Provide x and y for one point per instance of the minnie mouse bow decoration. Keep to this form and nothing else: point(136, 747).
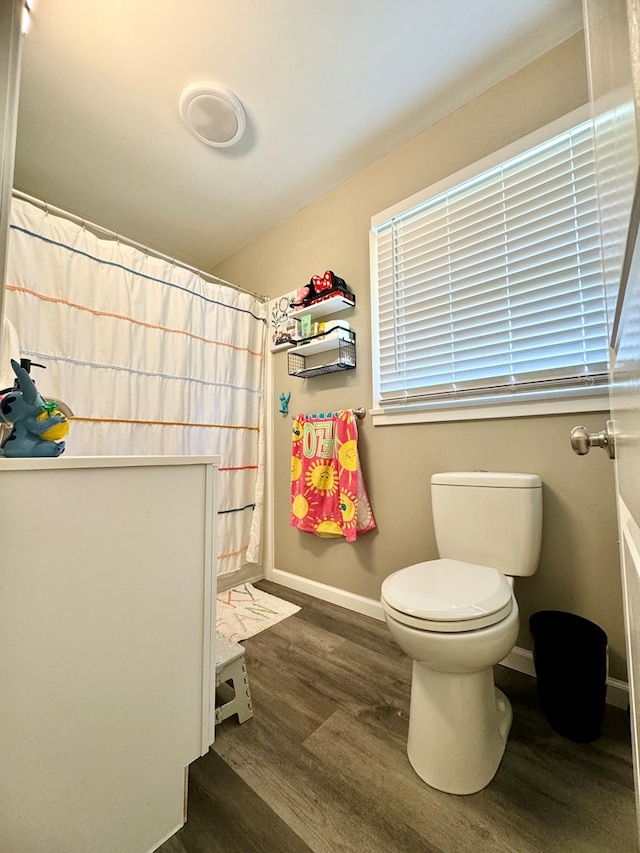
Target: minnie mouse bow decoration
point(320, 287)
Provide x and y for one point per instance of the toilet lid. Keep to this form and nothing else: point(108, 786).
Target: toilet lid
point(448, 591)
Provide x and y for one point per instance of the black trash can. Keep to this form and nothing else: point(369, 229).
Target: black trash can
point(570, 656)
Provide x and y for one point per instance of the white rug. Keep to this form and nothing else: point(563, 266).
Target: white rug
point(244, 611)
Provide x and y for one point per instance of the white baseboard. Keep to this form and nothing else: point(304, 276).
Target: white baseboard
point(247, 574)
point(618, 693)
point(519, 659)
point(522, 661)
point(167, 837)
point(332, 594)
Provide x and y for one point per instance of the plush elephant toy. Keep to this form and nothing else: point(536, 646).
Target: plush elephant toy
point(32, 420)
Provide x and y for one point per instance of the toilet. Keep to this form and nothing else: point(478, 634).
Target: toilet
point(457, 617)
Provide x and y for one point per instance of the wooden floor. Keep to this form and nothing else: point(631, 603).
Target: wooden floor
point(322, 765)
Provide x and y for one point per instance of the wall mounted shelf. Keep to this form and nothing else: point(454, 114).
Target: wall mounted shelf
point(303, 359)
point(325, 307)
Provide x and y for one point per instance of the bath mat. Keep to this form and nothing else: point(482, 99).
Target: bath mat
point(244, 611)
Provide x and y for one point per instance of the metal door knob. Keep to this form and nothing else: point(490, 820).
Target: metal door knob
point(582, 441)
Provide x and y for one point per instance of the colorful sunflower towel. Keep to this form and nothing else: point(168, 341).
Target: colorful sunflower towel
point(328, 495)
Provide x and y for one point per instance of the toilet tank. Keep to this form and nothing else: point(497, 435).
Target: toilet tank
point(490, 518)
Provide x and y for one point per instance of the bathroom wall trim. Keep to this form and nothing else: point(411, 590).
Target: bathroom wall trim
point(522, 661)
point(332, 594)
point(249, 573)
point(519, 659)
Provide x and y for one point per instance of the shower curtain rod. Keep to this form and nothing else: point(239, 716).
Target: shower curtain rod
point(107, 232)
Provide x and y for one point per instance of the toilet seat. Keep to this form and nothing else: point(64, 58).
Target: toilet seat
point(447, 596)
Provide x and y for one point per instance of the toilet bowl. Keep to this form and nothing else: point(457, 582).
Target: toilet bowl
point(457, 618)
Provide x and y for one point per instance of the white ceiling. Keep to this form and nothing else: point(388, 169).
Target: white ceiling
point(329, 87)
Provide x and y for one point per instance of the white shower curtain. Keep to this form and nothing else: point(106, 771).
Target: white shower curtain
point(152, 359)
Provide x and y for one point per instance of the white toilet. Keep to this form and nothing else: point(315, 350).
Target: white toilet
point(457, 617)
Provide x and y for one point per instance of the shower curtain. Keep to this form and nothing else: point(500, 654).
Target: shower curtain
point(152, 358)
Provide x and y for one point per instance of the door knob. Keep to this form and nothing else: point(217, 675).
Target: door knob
point(582, 441)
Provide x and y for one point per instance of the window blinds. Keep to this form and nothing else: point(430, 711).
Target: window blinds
point(495, 286)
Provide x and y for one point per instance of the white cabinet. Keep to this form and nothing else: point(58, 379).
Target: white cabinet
point(107, 623)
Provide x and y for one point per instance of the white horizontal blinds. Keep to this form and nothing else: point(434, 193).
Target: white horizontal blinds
point(496, 284)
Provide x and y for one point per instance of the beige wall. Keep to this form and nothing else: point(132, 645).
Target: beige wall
point(579, 564)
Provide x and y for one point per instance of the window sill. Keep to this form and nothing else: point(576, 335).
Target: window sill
point(474, 410)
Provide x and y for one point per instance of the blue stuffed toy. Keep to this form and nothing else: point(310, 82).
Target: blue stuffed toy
point(35, 423)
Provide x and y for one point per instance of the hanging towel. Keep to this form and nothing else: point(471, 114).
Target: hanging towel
point(328, 494)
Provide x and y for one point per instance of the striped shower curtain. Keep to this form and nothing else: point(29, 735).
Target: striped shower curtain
point(152, 359)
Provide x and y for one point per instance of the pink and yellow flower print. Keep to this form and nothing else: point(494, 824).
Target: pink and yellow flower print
point(328, 495)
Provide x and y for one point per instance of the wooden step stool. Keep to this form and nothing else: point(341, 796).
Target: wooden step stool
point(232, 681)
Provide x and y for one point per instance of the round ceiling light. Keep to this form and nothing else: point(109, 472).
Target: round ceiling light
point(212, 114)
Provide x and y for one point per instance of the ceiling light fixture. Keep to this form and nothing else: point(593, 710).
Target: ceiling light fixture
point(212, 114)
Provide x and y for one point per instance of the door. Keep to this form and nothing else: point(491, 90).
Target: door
point(611, 30)
point(625, 409)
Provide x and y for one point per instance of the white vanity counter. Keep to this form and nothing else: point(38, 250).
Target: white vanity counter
point(107, 623)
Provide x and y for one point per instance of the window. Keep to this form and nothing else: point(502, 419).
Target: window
point(488, 288)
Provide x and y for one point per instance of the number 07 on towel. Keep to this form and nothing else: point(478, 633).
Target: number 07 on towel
point(328, 494)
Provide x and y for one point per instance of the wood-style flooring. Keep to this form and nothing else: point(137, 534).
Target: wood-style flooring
point(322, 765)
